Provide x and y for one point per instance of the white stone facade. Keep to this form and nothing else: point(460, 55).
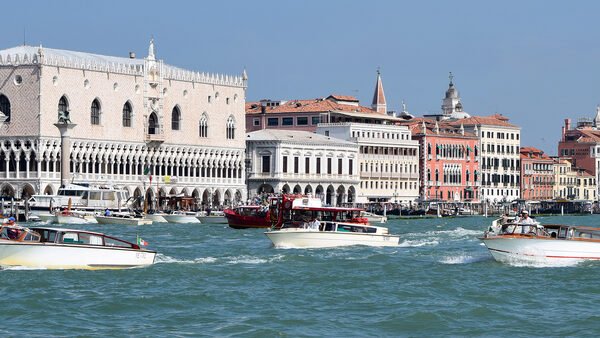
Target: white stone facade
point(388, 160)
point(304, 163)
point(186, 127)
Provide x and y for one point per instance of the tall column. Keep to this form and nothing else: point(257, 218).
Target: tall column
point(65, 150)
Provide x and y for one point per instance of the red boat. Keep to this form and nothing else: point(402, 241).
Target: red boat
point(248, 216)
point(295, 210)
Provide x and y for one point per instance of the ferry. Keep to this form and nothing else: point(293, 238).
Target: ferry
point(510, 242)
point(82, 197)
point(335, 227)
point(58, 248)
point(248, 216)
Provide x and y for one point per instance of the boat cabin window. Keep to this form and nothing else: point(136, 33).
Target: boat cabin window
point(115, 242)
point(70, 192)
point(81, 238)
point(48, 235)
point(69, 238)
point(108, 196)
point(95, 195)
point(32, 237)
point(355, 228)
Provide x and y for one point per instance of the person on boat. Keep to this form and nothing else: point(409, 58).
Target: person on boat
point(314, 224)
point(106, 212)
point(525, 222)
point(11, 221)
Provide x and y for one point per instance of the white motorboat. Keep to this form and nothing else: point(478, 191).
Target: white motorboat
point(510, 242)
point(48, 218)
point(122, 218)
point(332, 234)
point(180, 217)
point(56, 248)
point(156, 218)
point(74, 217)
point(373, 218)
point(328, 226)
point(212, 217)
point(83, 197)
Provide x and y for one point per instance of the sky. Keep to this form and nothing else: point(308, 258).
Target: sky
point(536, 62)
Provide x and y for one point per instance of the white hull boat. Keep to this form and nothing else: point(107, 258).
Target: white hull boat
point(49, 218)
point(542, 243)
point(55, 248)
point(215, 217)
point(373, 218)
point(180, 218)
point(122, 220)
point(156, 218)
point(75, 218)
point(332, 235)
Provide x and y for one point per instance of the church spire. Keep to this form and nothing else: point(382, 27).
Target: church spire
point(597, 118)
point(379, 103)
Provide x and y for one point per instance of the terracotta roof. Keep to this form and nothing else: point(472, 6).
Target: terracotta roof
point(342, 98)
point(310, 106)
point(537, 153)
point(493, 120)
point(585, 135)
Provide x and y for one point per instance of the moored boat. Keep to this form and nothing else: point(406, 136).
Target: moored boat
point(248, 216)
point(56, 248)
point(511, 242)
point(123, 219)
point(74, 217)
point(328, 226)
point(212, 217)
point(374, 218)
point(180, 217)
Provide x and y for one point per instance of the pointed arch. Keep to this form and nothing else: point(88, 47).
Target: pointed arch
point(127, 113)
point(4, 108)
point(175, 118)
point(203, 125)
point(153, 123)
point(230, 127)
point(95, 112)
point(63, 105)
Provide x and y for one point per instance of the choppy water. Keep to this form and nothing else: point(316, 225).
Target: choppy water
point(211, 280)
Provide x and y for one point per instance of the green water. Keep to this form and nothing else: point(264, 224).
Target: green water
point(211, 280)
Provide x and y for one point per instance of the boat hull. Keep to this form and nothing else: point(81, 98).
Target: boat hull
point(50, 218)
point(301, 238)
point(69, 219)
point(237, 221)
point(122, 220)
point(65, 256)
point(212, 219)
point(534, 249)
point(156, 218)
point(180, 219)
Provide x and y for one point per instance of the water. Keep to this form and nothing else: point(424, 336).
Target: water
point(211, 280)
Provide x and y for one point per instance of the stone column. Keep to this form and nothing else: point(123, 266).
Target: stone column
point(65, 151)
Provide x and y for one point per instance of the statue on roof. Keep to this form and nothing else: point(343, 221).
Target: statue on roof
point(151, 50)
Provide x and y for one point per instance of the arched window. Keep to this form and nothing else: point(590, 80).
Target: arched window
point(230, 128)
point(468, 175)
point(4, 109)
point(437, 175)
point(428, 174)
point(63, 105)
point(428, 148)
point(153, 124)
point(203, 126)
point(95, 112)
point(175, 118)
point(127, 114)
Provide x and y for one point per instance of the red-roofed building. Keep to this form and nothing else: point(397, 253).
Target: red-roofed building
point(537, 175)
point(449, 162)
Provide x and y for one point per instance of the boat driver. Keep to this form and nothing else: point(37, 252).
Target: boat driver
point(314, 224)
point(525, 222)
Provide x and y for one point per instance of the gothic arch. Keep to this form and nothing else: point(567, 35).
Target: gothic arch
point(7, 190)
point(27, 191)
point(297, 189)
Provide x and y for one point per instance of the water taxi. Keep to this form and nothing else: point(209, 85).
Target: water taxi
point(510, 242)
point(295, 226)
point(211, 217)
point(248, 216)
point(122, 218)
point(82, 197)
point(180, 217)
point(57, 248)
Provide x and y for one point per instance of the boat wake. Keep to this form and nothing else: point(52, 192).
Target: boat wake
point(464, 259)
point(418, 243)
point(20, 268)
point(245, 259)
point(541, 262)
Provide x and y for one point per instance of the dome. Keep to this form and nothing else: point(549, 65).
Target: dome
point(451, 93)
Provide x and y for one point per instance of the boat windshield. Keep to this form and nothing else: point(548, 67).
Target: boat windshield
point(80, 238)
point(9, 232)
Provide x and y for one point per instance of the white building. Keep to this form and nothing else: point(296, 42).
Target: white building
point(303, 163)
point(388, 160)
point(500, 143)
point(131, 114)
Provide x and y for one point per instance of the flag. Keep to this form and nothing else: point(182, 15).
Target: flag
point(141, 242)
point(146, 170)
point(167, 179)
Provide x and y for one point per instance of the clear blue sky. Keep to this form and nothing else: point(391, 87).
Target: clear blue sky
point(536, 62)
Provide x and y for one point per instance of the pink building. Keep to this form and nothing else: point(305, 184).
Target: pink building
point(449, 163)
point(537, 175)
point(579, 143)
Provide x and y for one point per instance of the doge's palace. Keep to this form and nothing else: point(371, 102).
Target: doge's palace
point(141, 124)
